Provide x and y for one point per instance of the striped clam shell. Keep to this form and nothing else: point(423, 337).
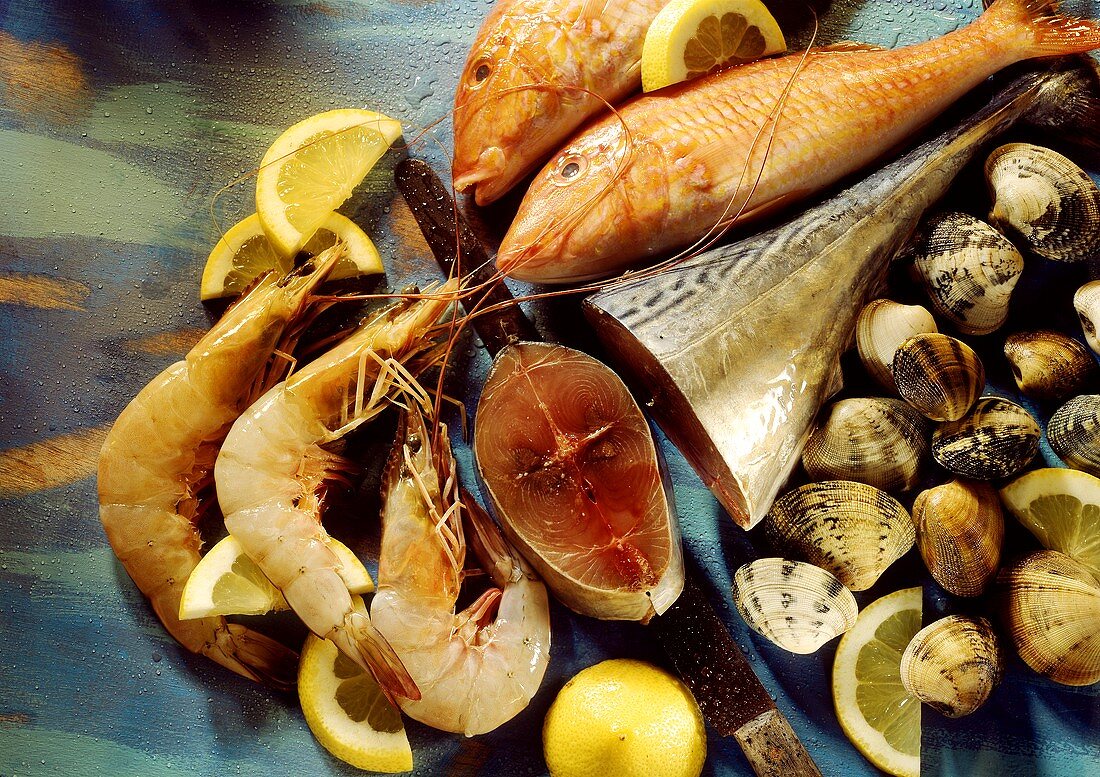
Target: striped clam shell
point(938, 375)
point(996, 439)
point(969, 270)
point(953, 665)
point(1044, 200)
point(1074, 433)
point(881, 442)
point(881, 327)
point(853, 530)
point(1051, 609)
point(1086, 301)
point(1049, 365)
point(797, 606)
point(960, 531)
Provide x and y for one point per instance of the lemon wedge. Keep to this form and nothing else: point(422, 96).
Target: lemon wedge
point(689, 38)
point(347, 711)
point(227, 582)
point(244, 252)
point(1061, 507)
point(625, 718)
point(313, 167)
point(876, 712)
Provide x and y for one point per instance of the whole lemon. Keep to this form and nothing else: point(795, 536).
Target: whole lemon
point(624, 718)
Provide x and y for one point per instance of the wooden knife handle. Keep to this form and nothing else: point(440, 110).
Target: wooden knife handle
point(772, 748)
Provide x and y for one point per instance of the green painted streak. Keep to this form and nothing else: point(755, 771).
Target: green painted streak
point(56, 189)
point(168, 115)
point(34, 750)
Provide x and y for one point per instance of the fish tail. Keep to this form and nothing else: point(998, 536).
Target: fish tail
point(1039, 30)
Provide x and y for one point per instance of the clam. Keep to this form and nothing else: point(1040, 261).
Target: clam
point(953, 665)
point(797, 606)
point(969, 270)
point(1086, 301)
point(1049, 365)
point(960, 529)
point(1051, 609)
point(1044, 200)
point(881, 442)
point(851, 529)
point(996, 439)
point(1074, 433)
point(882, 326)
point(938, 375)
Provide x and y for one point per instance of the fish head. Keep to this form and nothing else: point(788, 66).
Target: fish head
point(597, 195)
point(508, 110)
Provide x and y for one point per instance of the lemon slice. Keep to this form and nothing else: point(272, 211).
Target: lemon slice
point(625, 718)
point(313, 167)
point(227, 582)
point(347, 712)
point(876, 712)
point(689, 38)
point(1061, 507)
point(244, 252)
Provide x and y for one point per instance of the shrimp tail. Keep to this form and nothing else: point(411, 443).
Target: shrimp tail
point(363, 643)
point(1039, 31)
point(499, 559)
point(253, 655)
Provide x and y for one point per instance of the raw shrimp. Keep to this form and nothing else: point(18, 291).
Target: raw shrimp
point(158, 458)
point(479, 667)
point(276, 458)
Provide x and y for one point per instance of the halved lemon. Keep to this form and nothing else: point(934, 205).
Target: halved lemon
point(1061, 507)
point(347, 711)
point(689, 38)
point(313, 167)
point(244, 252)
point(227, 582)
point(876, 712)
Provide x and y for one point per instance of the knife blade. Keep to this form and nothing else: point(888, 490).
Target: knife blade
point(704, 654)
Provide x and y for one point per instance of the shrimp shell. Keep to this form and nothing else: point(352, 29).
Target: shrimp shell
point(479, 667)
point(160, 453)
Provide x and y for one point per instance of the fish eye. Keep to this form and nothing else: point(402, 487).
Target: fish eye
point(482, 71)
point(569, 167)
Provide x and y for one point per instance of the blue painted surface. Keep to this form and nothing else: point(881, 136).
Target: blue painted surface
point(89, 682)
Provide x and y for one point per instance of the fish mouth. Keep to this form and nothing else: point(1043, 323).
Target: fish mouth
point(484, 179)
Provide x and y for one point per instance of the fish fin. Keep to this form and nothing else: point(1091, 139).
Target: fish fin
point(1039, 30)
point(847, 46)
point(758, 210)
point(1074, 113)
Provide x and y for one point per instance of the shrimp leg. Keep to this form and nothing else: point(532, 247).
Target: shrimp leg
point(161, 451)
point(273, 463)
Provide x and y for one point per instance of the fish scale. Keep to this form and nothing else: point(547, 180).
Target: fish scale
point(738, 348)
point(688, 157)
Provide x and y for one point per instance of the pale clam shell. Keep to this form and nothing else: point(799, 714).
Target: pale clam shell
point(1049, 365)
point(938, 375)
point(969, 270)
point(953, 665)
point(996, 439)
point(1051, 609)
point(1045, 200)
point(1074, 433)
point(960, 531)
point(881, 327)
point(881, 442)
point(797, 606)
point(851, 529)
point(1086, 301)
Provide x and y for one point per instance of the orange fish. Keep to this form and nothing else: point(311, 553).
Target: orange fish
point(677, 164)
point(537, 70)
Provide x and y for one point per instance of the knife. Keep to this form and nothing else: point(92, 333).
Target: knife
point(728, 692)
